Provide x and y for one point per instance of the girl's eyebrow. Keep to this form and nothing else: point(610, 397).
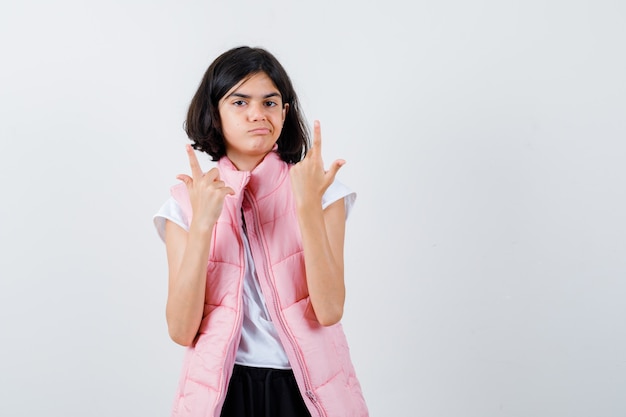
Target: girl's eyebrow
point(240, 95)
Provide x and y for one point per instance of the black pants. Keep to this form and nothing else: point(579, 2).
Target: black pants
point(263, 392)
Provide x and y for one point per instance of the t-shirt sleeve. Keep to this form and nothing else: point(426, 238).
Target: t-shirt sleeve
point(172, 211)
point(338, 190)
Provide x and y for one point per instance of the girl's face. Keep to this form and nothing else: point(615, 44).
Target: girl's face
point(252, 115)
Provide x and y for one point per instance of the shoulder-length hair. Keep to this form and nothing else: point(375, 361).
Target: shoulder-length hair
point(203, 125)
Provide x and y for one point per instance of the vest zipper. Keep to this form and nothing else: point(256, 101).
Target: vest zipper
point(237, 333)
point(307, 384)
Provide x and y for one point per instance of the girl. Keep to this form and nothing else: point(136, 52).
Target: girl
point(255, 254)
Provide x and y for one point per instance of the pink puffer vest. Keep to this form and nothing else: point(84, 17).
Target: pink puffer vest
point(318, 355)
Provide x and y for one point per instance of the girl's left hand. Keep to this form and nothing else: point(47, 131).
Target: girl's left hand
point(309, 180)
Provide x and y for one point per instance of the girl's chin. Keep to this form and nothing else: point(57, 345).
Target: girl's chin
point(246, 161)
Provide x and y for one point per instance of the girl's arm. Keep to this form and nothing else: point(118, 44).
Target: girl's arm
point(188, 252)
point(323, 238)
point(322, 232)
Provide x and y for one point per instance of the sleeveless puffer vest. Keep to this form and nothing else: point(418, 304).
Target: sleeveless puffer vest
point(318, 355)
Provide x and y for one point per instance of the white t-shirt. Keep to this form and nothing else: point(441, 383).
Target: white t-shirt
point(259, 345)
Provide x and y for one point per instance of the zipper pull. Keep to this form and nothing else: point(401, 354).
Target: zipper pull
point(311, 396)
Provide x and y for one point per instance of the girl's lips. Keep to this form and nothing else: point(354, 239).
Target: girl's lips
point(260, 131)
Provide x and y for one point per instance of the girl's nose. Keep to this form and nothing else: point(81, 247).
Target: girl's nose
point(257, 112)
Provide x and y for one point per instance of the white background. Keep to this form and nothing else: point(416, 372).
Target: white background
point(486, 255)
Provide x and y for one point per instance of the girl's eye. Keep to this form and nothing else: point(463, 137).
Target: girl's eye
point(271, 104)
point(239, 103)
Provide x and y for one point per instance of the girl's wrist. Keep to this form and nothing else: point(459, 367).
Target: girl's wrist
point(201, 227)
point(309, 209)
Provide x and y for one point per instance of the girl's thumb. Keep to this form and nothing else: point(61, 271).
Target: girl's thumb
point(184, 178)
point(334, 168)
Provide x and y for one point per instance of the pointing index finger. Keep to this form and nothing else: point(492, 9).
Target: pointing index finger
point(196, 171)
point(317, 137)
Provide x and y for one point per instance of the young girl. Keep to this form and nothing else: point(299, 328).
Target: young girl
point(255, 254)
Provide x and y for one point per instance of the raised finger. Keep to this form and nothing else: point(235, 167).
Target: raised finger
point(196, 171)
point(316, 149)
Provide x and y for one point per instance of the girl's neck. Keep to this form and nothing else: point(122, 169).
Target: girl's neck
point(243, 163)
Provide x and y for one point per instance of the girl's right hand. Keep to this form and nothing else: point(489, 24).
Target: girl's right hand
point(206, 192)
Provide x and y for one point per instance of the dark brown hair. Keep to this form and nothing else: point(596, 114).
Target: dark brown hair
point(203, 125)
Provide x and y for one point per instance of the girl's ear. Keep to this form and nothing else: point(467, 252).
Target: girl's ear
point(285, 109)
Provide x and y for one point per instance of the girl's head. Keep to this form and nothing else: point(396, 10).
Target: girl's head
point(204, 125)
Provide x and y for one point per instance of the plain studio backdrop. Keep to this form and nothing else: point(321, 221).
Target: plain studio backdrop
point(486, 254)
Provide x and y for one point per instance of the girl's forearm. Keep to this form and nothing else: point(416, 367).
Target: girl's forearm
point(323, 261)
point(187, 287)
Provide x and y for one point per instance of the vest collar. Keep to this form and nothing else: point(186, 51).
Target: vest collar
point(261, 181)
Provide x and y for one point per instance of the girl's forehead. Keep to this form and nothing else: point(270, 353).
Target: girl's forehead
point(255, 81)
